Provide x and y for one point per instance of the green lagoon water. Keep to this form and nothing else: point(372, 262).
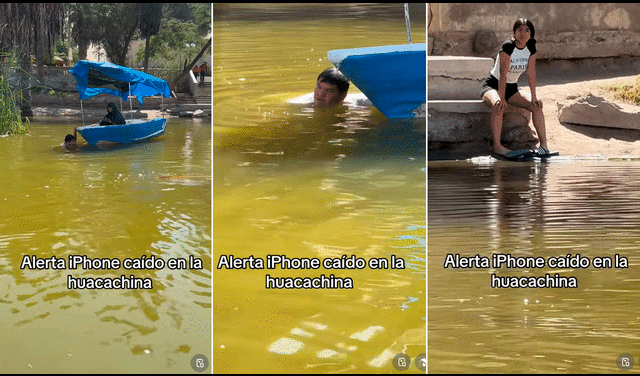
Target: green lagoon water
point(563, 208)
point(290, 181)
point(151, 199)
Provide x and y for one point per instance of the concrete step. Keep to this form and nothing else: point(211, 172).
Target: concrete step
point(460, 106)
point(459, 66)
point(466, 106)
point(458, 77)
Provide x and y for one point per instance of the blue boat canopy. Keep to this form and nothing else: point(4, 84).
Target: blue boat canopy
point(108, 78)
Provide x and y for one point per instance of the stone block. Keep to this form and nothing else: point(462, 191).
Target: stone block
point(597, 111)
point(475, 127)
point(456, 77)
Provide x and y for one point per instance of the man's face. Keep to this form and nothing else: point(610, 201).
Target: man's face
point(71, 145)
point(327, 95)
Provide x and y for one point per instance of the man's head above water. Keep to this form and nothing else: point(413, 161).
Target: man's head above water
point(331, 88)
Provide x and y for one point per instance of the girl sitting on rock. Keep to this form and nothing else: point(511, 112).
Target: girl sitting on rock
point(516, 56)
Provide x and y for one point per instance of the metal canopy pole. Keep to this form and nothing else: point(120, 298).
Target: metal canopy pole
point(82, 109)
point(407, 21)
point(130, 104)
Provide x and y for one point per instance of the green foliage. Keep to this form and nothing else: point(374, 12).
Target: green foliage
point(178, 11)
point(176, 38)
point(83, 30)
point(110, 25)
point(118, 26)
point(202, 17)
point(630, 93)
point(150, 18)
point(10, 119)
point(176, 42)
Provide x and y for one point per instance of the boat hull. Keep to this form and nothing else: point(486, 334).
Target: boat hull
point(394, 78)
point(133, 131)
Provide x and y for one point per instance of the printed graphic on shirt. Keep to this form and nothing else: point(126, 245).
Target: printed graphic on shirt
point(519, 60)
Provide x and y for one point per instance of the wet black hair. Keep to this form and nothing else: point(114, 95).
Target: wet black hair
point(69, 137)
point(524, 21)
point(335, 77)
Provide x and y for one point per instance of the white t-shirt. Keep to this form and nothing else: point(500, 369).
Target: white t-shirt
point(356, 99)
point(519, 59)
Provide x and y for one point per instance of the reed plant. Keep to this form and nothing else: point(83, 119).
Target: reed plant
point(10, 119)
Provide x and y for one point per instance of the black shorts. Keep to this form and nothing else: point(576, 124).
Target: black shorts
point(491, 83)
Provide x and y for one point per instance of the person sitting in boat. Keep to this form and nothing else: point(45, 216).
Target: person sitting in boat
point(331, 90)
point(70, 143)
point(113, 116)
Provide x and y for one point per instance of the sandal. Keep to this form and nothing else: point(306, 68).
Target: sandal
point(542, 152)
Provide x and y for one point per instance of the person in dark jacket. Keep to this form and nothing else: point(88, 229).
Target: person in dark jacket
point(113, 116)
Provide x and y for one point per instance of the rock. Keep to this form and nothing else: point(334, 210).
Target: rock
point(484, 41)
point(475, 127)
point(597, 111)
point(455, 127)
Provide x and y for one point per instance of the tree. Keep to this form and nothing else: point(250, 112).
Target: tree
point(30, 29)
point(150, 20)
point(175, 41)
point(187, 68)
point(202, 17)
point(109, 25)
point(118, 26)
point(84, 29)
point(178, 11)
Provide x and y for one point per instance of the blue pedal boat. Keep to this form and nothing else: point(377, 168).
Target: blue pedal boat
point(394, 78)
point(107, 78)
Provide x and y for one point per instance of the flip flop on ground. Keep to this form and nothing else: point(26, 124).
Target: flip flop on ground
point(542, 152)
point(516, 155)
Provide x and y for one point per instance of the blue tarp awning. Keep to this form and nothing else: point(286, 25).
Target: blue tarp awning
point(108, 78)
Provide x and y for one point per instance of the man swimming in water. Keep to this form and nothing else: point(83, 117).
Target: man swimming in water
point(69, 144)
point(331, 90)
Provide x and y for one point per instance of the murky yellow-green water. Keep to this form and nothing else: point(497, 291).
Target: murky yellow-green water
point(288, 181)
point(561, 208)
point(149, 199)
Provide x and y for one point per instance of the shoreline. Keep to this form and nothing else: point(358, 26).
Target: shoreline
point(571, 140)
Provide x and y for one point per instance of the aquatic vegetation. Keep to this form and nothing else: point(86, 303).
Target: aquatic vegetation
point(10, 119)
point(630, 93)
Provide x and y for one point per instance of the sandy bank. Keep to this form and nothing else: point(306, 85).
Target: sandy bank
point(581, 140)
point(569, 139)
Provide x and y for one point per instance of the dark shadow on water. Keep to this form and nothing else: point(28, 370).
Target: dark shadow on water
point(108, 147)
point(328, 135)
point(458, 151)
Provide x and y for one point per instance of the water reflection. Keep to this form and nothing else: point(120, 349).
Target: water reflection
point(570, 207)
